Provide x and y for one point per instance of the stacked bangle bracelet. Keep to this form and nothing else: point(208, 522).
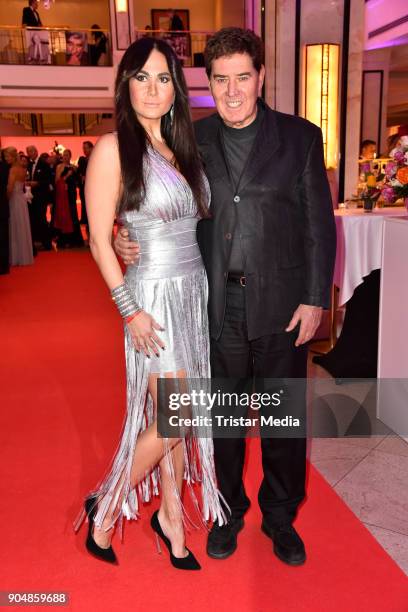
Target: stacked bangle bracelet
point(125, 302)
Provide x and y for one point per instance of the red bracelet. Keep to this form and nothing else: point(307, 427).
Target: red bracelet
point(131, 317)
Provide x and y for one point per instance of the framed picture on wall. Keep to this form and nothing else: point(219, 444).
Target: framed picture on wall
point(173, 23)
point(170, 19)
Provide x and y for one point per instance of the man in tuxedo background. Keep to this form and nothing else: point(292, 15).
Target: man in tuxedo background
point(87, 147)
point(39, 179)
point(269, 252)
point(31, 18)
point(4, 219)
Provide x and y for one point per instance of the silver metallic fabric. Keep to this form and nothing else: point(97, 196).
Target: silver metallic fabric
point(169, 282)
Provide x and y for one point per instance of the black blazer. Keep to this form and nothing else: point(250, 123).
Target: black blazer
point(288, 232)
point(30, 18)
point(4, 205)
point(42, 174)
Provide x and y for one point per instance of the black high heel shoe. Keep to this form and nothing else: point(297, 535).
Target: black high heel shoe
point(105, 554)
point(183, 563)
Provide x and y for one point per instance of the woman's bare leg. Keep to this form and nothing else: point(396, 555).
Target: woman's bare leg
point(149, 452)
point(170, 516)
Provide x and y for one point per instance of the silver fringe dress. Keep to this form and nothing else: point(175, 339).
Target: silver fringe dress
point(170, 283)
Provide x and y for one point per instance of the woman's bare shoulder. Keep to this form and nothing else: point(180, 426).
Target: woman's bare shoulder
point(107, 141)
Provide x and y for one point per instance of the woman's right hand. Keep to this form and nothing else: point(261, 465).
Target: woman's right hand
point(142, 329)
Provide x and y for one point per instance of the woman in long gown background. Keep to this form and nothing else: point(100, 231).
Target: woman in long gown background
point(21, 244)
point(149, 174)
point(65, 217)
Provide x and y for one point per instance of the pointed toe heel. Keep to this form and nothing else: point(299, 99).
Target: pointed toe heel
point(104, 554)
point(182, 563)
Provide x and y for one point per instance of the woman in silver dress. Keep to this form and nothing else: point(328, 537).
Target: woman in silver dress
point(149, 175)
point(21, 245)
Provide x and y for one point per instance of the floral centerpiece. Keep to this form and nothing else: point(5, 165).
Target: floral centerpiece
point(396, 174)
point(371, 192)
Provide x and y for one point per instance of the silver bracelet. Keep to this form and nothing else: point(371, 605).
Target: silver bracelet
point(125, 301)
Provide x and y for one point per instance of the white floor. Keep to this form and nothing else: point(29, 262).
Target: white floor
point(371, 476)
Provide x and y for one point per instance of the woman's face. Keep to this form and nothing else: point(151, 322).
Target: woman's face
point(9, 157)
point(24, 161)
point(152, 90)
point(66, 157)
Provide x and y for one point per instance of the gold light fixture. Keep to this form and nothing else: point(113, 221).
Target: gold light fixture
point(321, 95)
point(121, 6)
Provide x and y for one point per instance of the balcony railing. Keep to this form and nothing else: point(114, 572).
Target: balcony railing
point(69, 47)
point(54, 46)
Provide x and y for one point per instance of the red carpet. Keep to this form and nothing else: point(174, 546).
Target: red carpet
point(62, 391)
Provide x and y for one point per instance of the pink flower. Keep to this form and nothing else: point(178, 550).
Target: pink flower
point(388, 194)
point(390, 169)
point(399, 156)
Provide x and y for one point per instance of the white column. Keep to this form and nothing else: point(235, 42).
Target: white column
point(122, 27)
point(320, 22)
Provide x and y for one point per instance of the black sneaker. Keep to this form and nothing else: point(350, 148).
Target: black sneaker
point(287, 543)
point(222, 541)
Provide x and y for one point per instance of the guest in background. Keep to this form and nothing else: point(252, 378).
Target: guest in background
point(53, 161)
point(21, 245)
point(148, 31)
point(39, 182)
point(392, 142)
point(4, 217)
point(368, 149)
point(87, 147)
point(31, 18)
point(98, 50)
point(24, 161)
point(65, 216)
point(176, 23)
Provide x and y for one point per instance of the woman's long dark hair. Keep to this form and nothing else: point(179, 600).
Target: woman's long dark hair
point(178, 134)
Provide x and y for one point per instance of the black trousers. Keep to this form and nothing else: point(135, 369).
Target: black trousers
point(4, 242)
point(40, 230)
point(84, 216)
point(283, 459)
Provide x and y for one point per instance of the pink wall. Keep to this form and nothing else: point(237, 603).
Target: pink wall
point(45, 143)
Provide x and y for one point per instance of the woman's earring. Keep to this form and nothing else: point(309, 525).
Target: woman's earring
point(172, 113)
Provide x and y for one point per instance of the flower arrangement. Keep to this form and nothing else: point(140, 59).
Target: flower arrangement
point(396, 173)
point(372, 189)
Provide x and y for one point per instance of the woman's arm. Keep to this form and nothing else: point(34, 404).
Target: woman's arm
point(11, 180)
point(101, 194)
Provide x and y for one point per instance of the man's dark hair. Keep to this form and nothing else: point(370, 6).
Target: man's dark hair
point(366, 143)
point(232, 40)
point(31, 2)
point(89, 143)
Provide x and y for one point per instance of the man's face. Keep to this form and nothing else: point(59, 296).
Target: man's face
point(368, 151)
point(34, 5)
point(86, 149)
point(236, 85)
point(32, 153)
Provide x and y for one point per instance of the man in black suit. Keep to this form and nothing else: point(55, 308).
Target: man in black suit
point(39, 181)
point(31, 18)
point(4, 219)
point(269, 252)
point(87, 147)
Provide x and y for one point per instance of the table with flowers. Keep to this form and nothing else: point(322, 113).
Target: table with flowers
point(357, 276)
